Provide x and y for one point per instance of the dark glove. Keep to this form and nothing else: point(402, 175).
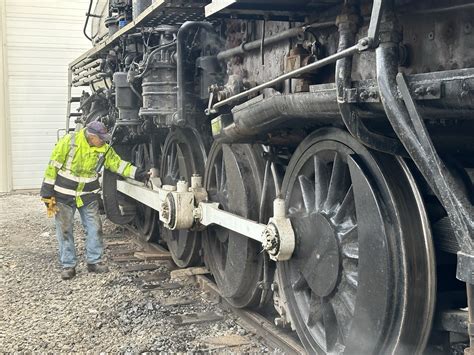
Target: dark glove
point(142, 175)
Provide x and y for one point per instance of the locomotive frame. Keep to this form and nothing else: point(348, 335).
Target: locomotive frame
point(321, 132)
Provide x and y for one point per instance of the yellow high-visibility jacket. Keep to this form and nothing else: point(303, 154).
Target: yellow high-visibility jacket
point(71, 173)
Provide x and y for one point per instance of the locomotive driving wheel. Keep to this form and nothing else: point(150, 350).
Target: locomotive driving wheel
point(184, 154)
point(233, 178)
point(362, 277)
point(146, 219)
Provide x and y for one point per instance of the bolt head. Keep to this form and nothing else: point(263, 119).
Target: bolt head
point(431, 90)
point(364, 95)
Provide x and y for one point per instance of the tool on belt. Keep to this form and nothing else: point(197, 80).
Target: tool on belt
point(51, 206)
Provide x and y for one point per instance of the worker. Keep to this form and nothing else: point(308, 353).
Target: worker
point(71, 177)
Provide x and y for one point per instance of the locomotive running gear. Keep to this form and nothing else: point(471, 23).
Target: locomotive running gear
point(64, 232)
point(70, 174)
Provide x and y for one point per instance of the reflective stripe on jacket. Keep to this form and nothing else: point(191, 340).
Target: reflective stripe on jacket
point(70, 174)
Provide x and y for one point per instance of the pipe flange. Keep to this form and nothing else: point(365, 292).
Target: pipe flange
point(166, 28)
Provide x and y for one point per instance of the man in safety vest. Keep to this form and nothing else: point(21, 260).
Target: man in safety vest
point(71, 177)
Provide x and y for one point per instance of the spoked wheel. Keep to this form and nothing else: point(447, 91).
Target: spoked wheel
point(362, 276)
point(184, 154)
point(146, 219)
point(233, 178)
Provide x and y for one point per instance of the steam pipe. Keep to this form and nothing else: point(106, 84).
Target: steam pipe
point(355, 126)
point(280, 111)
point(273, 110)
point(362, 45)
point(97, 62)
point(291, 33)
point(181, 38)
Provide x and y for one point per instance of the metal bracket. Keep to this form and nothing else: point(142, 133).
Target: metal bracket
point(467, 88)
point(351, 95)
point(465, 267)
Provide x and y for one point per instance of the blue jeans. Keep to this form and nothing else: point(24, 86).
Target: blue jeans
point(64, 232)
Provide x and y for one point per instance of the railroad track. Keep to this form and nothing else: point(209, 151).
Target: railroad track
point(273, 337)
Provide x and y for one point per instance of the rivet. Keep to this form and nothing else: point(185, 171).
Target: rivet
point(467, 28)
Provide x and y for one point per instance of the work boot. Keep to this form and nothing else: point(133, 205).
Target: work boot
point(68, 273)
point(97, 268)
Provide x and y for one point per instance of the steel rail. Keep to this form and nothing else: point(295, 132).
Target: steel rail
point(274, 337)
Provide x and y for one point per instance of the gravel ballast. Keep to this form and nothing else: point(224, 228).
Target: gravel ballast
point(93, 312)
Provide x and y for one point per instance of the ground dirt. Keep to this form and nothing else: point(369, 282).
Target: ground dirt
point(93, 313)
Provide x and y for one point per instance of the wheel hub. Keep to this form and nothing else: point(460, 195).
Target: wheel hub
point(322, 268)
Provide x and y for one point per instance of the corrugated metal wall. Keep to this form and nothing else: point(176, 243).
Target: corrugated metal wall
point(5, 161)
point(43, 37)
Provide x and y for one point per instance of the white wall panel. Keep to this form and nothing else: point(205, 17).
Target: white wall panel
point(42, 38)
point(5, 156)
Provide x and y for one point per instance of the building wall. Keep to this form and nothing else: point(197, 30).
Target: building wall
point(5, 162)
point(42, 38)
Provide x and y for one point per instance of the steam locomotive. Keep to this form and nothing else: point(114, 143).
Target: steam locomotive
point(316, 155)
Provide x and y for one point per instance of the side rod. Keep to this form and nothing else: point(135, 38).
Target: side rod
point(209, 212)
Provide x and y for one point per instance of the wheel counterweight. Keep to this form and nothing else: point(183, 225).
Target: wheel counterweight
point(361, 230)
